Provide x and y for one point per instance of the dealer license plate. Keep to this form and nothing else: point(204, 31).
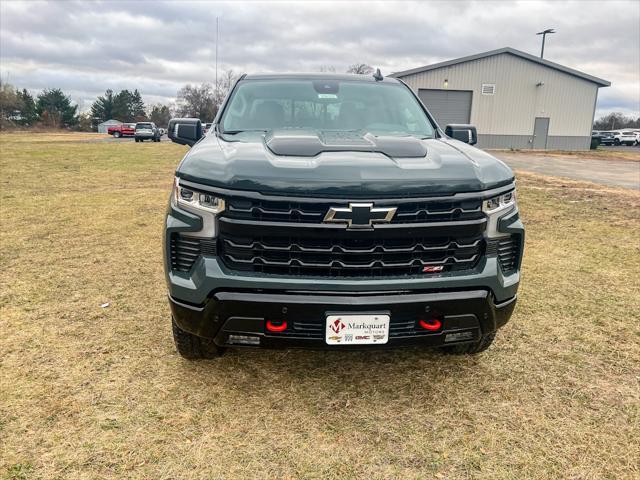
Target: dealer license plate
point(357, 329)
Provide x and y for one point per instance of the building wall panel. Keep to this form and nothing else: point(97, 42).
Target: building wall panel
point(567, 100)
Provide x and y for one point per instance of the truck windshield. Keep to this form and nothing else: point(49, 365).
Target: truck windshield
point(338, 105)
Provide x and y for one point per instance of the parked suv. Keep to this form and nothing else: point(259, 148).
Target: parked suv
point(147, 131)
point(331, 211)
point(624, 138)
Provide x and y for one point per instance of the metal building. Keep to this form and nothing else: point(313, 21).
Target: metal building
point(515, 100)
point(102, 127)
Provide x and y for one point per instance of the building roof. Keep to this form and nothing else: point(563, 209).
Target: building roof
point(111, 122)
point(509, 50)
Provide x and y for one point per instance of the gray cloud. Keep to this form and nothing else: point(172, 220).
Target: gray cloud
point(87, 47)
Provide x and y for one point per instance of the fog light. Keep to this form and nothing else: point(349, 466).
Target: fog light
point(243, 340)
point(431, 324)
point(277, 326)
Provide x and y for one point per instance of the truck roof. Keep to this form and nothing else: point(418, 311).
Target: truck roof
point(343, 77)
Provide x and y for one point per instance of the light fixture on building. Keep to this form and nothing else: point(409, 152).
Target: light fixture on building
point(539, 84)
point(446, 83)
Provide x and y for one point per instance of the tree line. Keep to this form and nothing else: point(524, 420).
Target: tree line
point(52, 108)
point(616, 121)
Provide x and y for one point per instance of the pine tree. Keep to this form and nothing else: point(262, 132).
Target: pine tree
point(102, 108)
point(122, 106)
point(137, 106)
point(28, 114)
point(54, 108)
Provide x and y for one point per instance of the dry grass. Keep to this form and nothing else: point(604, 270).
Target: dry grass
point(89, 393)
point(631, 154)
point(56, 136)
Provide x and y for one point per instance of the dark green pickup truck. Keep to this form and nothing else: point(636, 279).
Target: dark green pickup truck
point(331, 211)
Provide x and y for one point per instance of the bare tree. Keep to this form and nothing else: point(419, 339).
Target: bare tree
point(10, 104)
point(360, 69)
point(160, 115)
point(197, 102)
point(616, 120)
point(225, 84)
point(203, 101)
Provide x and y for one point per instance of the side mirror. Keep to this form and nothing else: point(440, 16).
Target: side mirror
point(185, 131)
point(462, 132)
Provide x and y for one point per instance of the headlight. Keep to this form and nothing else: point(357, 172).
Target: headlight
point(206, 205)
point(495, 208)
point(185, 197)
point(500, 203)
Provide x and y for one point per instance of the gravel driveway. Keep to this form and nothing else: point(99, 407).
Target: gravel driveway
point(619, 173)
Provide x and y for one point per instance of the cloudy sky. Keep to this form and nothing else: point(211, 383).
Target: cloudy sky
point(86, 47)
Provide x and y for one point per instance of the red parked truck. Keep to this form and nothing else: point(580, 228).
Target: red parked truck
point(122, 130)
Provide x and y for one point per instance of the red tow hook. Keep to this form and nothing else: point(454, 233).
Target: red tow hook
point(431, 324)
point(276, 328)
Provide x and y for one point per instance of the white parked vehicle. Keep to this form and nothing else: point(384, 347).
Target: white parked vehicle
point(147, 131)
point(625, 138)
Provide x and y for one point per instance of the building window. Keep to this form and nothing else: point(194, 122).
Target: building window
point(488, 88)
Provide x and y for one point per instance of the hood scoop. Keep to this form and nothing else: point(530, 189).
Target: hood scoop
point(309, 143)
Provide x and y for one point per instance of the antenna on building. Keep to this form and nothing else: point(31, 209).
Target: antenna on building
point(544, 35)
point(378, 76)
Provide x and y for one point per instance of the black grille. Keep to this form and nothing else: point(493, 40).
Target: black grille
point(508, 253)
point(314, 211)
point(363, 256)
point(186, 250)
point(288, 236)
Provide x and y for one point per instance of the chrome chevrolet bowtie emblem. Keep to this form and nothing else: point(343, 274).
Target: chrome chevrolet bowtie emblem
point(360, 215)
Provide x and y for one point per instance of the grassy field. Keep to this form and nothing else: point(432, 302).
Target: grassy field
point(89, 392)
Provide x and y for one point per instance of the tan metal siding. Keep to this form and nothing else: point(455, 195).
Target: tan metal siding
point(567, 100)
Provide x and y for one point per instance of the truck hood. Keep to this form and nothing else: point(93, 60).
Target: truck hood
point(351, 165)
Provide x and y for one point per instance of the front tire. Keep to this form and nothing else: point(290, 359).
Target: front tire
point(192, 347)
point(471, 348)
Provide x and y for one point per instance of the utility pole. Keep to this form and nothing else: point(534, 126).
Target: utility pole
point(544, 35)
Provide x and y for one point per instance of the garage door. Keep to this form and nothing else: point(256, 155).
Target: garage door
point(447, 106)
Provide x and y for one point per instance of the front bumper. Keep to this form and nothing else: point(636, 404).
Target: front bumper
point(237, 318)
point(213, 301)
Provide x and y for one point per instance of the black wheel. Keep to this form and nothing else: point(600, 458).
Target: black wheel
point(471, 348)
point(116, 134)
point(616, 142)
point(137, 140)
point(193, 347)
